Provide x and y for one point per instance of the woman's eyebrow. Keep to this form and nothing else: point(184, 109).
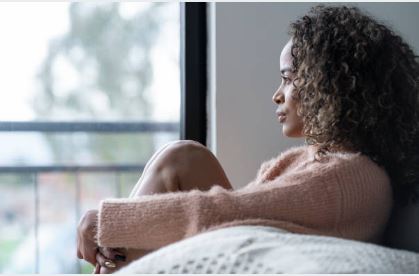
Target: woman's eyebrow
point(286, 69)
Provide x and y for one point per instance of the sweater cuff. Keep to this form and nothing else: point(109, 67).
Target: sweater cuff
point(114, 229)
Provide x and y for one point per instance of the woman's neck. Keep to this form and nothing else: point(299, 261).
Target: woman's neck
point(338, 148)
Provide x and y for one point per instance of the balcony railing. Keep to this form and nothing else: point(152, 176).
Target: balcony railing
point(116, 169)
point(89, 126)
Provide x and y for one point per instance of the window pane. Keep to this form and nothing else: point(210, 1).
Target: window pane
point(112, 61)
point(88, 62)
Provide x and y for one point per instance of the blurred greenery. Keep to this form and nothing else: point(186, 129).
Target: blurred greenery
point(7, 246)
point(86, 268)
point(110, 55)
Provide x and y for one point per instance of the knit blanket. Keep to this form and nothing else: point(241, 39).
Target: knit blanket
point(259, 249)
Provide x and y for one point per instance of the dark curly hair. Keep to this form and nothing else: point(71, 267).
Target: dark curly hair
point(357, 84)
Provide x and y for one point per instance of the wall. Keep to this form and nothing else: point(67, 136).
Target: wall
point(244, 60)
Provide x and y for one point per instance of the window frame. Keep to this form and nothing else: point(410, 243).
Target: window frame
point(193, 56)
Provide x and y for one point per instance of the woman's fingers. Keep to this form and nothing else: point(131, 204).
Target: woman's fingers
point(112, 253)
point(109, 260)
point(104, 262)
point(87, 250)
point(79, 255)
point(86, 232)
point(97, 269)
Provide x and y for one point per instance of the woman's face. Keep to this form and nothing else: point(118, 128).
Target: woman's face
point(292, 124)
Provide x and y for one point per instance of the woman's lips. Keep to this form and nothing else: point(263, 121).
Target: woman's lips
point(281, 116)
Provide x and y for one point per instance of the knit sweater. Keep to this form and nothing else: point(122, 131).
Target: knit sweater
point(344, 195)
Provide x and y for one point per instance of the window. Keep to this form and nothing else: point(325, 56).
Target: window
point(90, 91)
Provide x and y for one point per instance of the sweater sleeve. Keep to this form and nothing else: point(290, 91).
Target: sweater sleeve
point(150, 222)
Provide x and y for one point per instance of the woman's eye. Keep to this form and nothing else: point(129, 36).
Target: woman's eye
point(285, 80)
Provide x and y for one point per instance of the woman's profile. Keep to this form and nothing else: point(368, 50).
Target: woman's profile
point(350, 87)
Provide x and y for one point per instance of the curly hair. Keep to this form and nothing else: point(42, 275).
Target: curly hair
point(357, 85)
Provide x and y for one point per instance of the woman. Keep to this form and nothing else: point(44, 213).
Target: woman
point(350, 87)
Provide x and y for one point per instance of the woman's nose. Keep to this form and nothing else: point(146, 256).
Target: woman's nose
point(278, 97)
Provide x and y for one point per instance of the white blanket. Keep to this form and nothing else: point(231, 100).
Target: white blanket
point(258, 249)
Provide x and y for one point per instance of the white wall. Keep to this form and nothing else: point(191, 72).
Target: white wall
point(245, 51)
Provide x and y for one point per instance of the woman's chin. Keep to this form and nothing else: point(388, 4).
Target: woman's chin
point(286, 132)
point(291, 132)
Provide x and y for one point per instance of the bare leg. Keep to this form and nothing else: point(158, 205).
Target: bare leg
point(179, 166)
point(150, 161)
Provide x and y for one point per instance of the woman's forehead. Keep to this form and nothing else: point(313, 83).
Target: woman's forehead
point(285, 60)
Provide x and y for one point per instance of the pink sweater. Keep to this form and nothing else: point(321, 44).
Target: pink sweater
point(346, 195)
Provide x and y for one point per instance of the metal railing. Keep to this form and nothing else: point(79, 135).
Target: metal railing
point(89, 126)
point(117, 169)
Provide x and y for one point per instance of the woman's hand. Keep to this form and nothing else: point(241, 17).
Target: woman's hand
point(110, 260)
point(86, 233)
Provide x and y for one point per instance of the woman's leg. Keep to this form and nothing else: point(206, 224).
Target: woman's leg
point(150, 161)
point(181, 166)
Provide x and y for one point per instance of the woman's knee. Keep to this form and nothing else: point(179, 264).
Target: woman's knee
point(185, 165)
point(175, 157)
point(178, 152)
point(195, 166)
point(185, 145)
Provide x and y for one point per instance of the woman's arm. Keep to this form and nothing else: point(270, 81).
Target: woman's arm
point(150, 222)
